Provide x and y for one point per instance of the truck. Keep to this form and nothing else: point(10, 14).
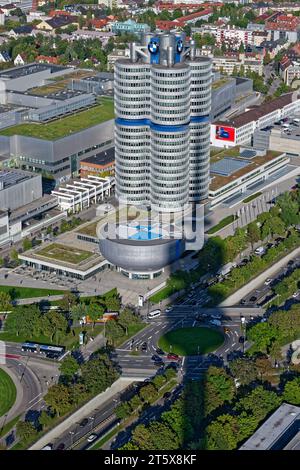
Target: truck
point(226, 269)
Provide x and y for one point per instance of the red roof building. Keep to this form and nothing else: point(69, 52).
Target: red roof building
point(45, 59)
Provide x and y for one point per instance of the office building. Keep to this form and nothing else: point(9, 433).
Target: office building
point(162, 108)
point(162, 126)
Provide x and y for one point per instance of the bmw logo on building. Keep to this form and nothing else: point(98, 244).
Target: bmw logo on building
point(179, 46)
point(153, 47)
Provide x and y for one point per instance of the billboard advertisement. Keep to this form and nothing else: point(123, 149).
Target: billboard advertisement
point(225, 133)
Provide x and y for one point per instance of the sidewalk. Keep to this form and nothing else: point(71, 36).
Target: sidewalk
point(243, 291)
point(84, 411)
point(17, 406)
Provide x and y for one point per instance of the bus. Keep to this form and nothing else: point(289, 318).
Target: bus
point(48, 350)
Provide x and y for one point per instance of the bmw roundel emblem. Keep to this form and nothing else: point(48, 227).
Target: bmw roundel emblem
point(153, 47)
point(179, 46)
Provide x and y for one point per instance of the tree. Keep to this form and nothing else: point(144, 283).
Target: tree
point(68, 301)
point(98, 374)
point(222, 433)
point(159, 381)
point(135, 403)
point(244, 369)
point(148, 393)
point(95, 312)
point(25, 431)
point(68, 367)
point(54, 322)
point(123, 410)
point(58, 398)
point(262, 335)
point(218, 388)
point(291, 392)
point(258, 403)
point(113, 304)
point(45, 419)
point(5, 301)
point(253, 233)
point(114, 330)
point(179, 421)
point(14, 256)
point(27, 244)
point(78, 311)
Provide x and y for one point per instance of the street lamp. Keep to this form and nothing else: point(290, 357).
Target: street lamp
point(72, 436)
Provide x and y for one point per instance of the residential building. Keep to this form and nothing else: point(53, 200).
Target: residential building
point(234, 62)
point(57, 22)
point(129, 26)
point(289, 70)
point(19, 60)
point(114, 56)
point(5, 57)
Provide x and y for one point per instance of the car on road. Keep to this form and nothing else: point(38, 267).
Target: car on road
point(243, 301)
point(168, 309)
point(268, 281)
point(92, 437)
point(291, 262)
point(156, 358)
point(167, 395)
point(160, 352)
point(296, 294)
point(61, 446)
point(253, 299)
point(144, 346)
point(216, 316)
point(173, 356)
point(241, 339)
point(215, 322)
point(173, 365)
point(84, 422)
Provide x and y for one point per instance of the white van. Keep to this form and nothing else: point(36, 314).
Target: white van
point(154, 314)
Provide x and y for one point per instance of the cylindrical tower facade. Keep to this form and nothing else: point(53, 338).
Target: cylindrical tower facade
point(200, 100)
point(169, 148)
point(162, 130)
point(132, 150)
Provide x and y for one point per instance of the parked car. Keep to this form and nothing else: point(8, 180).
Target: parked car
point(92, 437)
point(48, 447)
point(291, 262)
point(260, 250)
point(253, 299)
point(61, 446)
point(296, 294)
point(144, 346)
point(215, 322)
point(268, 281)
point(241, 339)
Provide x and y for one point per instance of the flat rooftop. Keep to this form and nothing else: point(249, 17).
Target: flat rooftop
point(58, 94)
point(10, 178)
point(277, 431)
point(66, 126)
point(102, 158)
point(289, 128)
point(229, 165)
point(258, 112)
point(29, 69)
point(221, 82)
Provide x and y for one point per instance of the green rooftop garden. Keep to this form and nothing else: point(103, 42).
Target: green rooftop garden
point(219, 83)
point(66, 125)
point(64, 253)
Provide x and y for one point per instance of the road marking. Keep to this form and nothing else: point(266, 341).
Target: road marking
point(233, 344)
point(236, 333)
point(35, 397)
point(226, 350)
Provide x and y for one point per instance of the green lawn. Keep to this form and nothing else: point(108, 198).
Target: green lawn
point(64, 253)
point(253, 196)
point(8, 426)
point(226, 221)
point(67, 125)
point(8, 392)
point(185, 341)
point(69, 340)
point(29, 292)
